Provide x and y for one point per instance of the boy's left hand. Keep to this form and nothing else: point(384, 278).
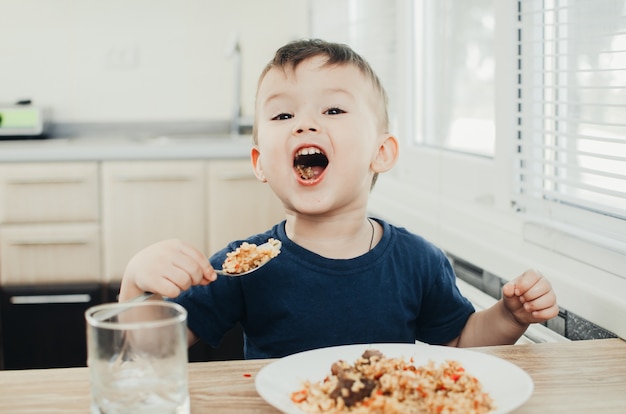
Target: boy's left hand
point(530, 298)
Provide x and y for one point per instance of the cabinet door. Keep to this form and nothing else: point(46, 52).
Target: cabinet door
point(147, 201)
point(49, 192)
point(239, 205)
point(49, 253)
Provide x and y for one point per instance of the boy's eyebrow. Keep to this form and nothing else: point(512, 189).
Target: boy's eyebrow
point(279, 95)
point(273, 97)
point(340, 91)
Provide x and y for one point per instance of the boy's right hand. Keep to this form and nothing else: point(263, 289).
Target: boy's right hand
point(166, 268)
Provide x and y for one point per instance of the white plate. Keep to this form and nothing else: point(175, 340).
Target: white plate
point(506, 383)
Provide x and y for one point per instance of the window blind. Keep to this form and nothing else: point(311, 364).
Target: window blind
point(571, 126)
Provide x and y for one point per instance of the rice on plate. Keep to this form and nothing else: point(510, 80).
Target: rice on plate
point(376, 384)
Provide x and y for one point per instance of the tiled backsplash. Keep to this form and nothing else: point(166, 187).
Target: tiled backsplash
point(567, 323)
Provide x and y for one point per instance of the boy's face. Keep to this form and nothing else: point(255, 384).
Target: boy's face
point(318, 136)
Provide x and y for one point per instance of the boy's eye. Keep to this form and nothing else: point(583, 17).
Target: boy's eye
point(334, 111)
point(282, 116)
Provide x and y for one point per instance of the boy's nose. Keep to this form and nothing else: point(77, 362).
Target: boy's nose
point(307, 124)
point(301, 130)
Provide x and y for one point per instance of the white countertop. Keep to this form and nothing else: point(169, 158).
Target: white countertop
point(116, 147)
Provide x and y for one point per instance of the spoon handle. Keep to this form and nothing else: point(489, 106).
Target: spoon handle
point(225, 273)
point(108, 314)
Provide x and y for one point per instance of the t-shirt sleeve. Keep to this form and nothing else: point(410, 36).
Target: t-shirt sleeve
point(212, 310)
point(444, 311)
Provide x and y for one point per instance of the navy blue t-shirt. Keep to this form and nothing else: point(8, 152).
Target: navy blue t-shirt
point(401, 291)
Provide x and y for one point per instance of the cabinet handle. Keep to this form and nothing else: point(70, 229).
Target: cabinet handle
point(41, 242)
point(46, 299)
point(152, 178)
point(45, 180)
point(235, 175)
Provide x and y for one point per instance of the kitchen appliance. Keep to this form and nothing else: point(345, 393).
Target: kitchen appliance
point(43, 326)
point(22, 120)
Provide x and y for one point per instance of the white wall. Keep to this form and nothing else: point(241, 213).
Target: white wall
point(139, 60)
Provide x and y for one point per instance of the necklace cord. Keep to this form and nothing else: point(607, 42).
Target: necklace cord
point(369, 220)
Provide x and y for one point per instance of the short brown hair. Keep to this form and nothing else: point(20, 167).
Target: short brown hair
point(294, 53)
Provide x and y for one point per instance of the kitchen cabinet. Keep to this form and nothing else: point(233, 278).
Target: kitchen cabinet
point(68, 230)
point(82, 221)
point(49, 253)
point(49, 261)
point(49, 192)
point(238, 205)
point(49, 223)
point(147, 201)
point(207, 204)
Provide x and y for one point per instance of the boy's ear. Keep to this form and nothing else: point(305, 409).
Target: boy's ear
point(387, 154)
point(255, 156)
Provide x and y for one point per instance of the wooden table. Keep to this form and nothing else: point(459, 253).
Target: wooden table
point(570, 377)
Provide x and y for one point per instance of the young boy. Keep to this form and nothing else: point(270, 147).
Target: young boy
point(321, 137)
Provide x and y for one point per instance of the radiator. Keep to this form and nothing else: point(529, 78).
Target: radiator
point(536, 333)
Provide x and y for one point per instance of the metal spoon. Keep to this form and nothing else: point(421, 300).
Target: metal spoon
point(109, 313)
point(147, 295)
point(225, 273)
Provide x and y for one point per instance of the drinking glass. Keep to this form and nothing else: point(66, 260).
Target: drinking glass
point(137, 358)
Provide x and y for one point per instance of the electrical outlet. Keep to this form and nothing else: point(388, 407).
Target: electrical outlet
point(121, 58)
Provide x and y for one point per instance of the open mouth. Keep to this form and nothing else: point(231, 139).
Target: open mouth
point(309, 163)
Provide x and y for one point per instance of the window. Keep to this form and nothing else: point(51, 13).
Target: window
point(571, 137)
point(455, 56)
point(535, 88)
